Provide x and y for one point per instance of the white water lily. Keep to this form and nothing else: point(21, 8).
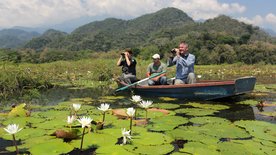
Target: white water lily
point(70, 119)
point(12, 129)
point(104, 107)
point(136, 98)
point(85, 121)
point(146, 104)
point(76, 107)
point(130, 112)
point(126, 134)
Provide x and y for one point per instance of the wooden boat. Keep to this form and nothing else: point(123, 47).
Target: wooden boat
point(202, 90)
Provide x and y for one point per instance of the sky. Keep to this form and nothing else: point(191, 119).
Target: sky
point(35, 13)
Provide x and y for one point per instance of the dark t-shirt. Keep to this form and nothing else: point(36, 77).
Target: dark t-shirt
point(129, 69)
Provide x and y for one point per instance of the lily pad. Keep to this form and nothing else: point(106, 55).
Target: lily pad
point(150, 149)
point(23, 121)
point(53, 147)
point(199, 148)
point(231, 148)
point(167, 99)
point(94, 140)
point(50, 124)
point(151, 138)
point(205, 120)
point(208, 106)
point(52, 114)
point(196, 111)
point(256, 147)
point(186, 133)
point(249, 102)
point(166, 106)
point(18, 111)
point(269, 113)
point(113, 150)
point(27, 133)
point(259, 129)
point(166, 123)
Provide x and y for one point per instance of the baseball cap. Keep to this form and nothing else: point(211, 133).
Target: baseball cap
point(156, 56)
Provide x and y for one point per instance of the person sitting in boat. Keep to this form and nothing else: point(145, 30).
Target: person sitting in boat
point(184, 62)
point(156, 67)
point(128, 64)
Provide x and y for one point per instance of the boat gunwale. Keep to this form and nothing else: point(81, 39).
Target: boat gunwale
point(199, 84)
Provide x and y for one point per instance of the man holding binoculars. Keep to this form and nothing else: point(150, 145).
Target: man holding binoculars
point(184, 62)
point(128, 64)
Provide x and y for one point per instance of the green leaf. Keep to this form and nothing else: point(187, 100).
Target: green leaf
point(166, 106)
point(94, 140)
point(196, 111)
point(53, 147)
point(213, 120)
point(149, 149)
point(166, 123)
point(113, 150)
point(208, 106)
point(259, 129)
point(151, 138)
point(199, 148)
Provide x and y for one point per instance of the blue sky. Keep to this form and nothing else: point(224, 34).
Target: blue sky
point(35, 13)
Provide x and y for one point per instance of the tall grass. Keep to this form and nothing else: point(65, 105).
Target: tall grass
point(20, 79)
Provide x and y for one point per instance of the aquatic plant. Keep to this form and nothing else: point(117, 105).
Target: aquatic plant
point(70, 120)
point(76, 107)
point(85, 122)
point(126, 135)
point(12, 129)
point(130, 113)
point(136, 99)
point(146, 105)
point(104, 107)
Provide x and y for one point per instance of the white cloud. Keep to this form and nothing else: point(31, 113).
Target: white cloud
point(205, 9)
point(271, 18)
point(268, 21)
point(47, 12)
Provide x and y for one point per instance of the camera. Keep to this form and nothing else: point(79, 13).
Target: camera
point(122, 54)
point(173, 51)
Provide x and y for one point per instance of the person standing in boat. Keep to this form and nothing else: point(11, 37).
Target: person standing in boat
point(128, 64)
point(184, 62)
point(156, 67)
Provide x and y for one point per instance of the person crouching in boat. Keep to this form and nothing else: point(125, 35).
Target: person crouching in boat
point(128, 64)
point(156, 67)
point(184, 62)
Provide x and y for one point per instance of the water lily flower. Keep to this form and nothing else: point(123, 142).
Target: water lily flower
point(85, 121)
point(70, 120)
point(130, 112)
point(136, 98)
point(104, 107)
point(146, 104)
point(12, 129)
point(126, 135)
point(76, 107)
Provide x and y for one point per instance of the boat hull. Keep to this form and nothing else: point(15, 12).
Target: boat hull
point(204, 90)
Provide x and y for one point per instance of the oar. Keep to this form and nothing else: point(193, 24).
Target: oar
point(135, 83)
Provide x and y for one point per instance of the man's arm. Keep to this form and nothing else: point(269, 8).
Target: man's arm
point(189, 62)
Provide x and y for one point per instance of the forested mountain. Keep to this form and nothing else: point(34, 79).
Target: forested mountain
point(12, 38)
point(214, 41)
point(116, 33)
